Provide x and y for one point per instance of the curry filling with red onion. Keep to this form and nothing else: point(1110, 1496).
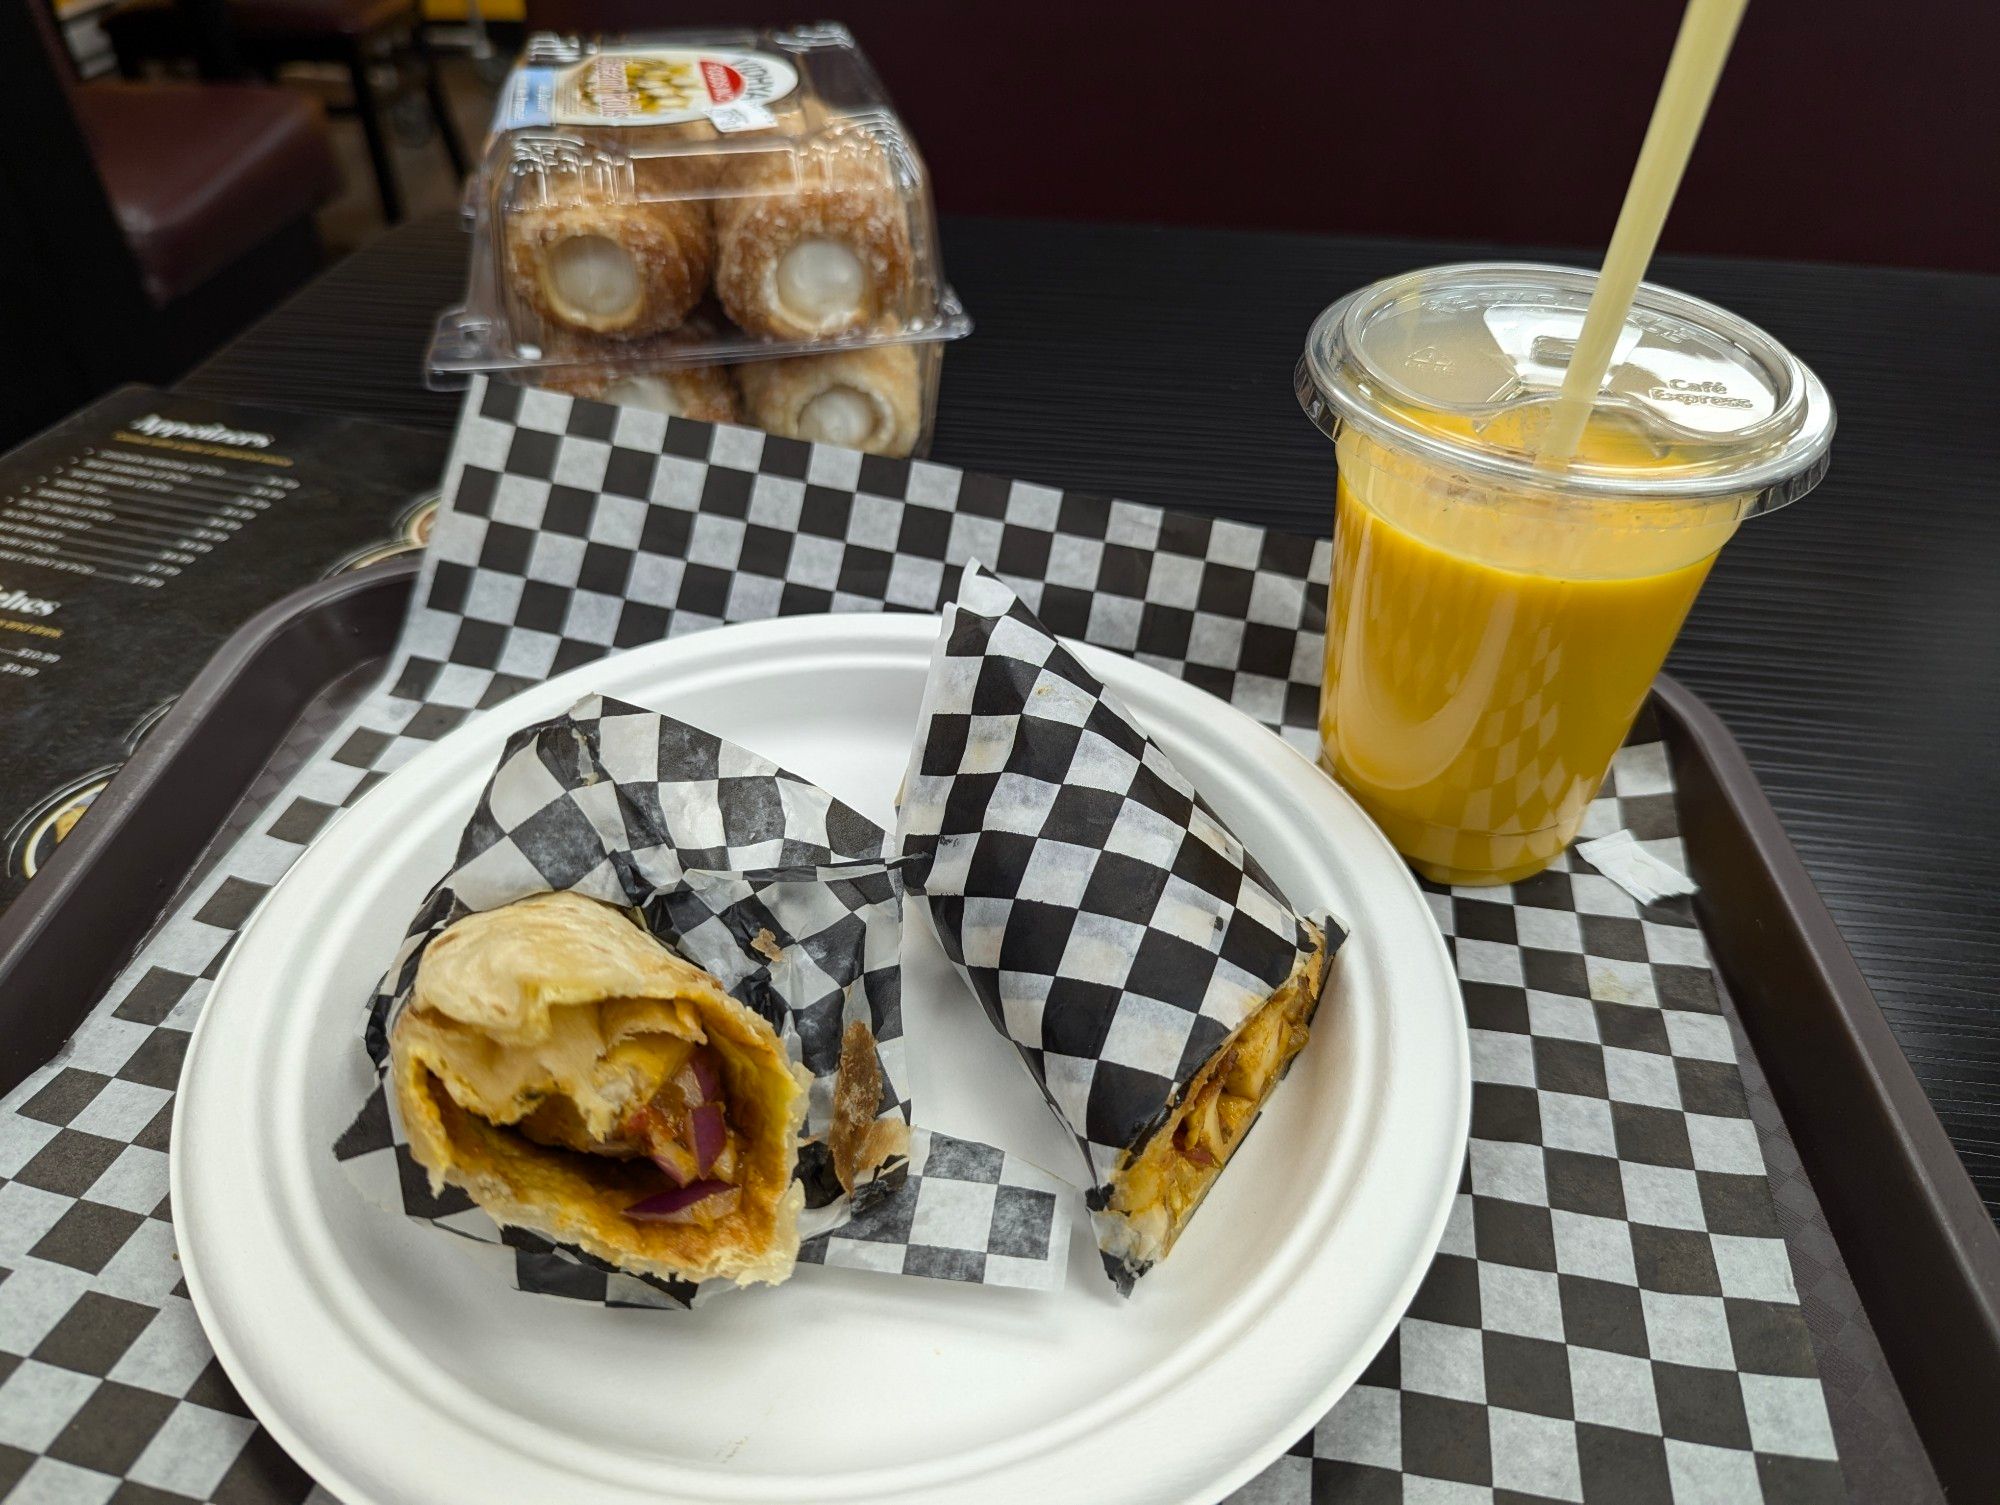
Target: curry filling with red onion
point(1158, 1186)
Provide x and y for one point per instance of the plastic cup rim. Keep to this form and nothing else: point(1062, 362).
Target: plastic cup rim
point(1769, 479)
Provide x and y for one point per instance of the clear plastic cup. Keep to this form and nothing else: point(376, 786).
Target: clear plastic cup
point(1494, 623)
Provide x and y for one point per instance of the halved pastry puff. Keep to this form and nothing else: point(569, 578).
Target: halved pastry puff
point(579, 1079)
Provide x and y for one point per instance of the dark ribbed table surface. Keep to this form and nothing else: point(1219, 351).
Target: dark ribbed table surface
point(1852, 642)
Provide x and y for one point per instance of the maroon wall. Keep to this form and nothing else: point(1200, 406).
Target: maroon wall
point(1845, 130)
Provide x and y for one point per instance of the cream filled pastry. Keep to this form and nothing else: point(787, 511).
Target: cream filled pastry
point(608, 268)
point(648, 373)
point(701, 392)
point(814, 244)
point(859, 399)
point(577, 1078)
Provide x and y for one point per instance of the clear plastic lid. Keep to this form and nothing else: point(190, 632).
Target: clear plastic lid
point(1462, 364)
point(684, 198)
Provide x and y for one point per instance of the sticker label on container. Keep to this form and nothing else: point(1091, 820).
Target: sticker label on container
point(741, 117)
point(528, 100)
point(667, 86)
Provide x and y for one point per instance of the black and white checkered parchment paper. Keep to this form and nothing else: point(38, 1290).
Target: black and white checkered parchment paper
point(1612, 1316)
point(1115, 932)
point(786, 895)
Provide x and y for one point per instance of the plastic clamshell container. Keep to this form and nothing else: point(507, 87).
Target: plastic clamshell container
point(652, 209)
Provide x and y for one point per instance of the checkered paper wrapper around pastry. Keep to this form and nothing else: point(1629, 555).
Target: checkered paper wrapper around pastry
point(1115, 931)
point(723, 853)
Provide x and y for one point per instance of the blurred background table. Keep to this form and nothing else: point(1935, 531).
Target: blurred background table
point(1851, 642)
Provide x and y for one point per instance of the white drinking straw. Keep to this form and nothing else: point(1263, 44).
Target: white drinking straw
point(1699, 53)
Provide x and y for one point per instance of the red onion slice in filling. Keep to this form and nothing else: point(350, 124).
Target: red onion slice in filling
point(677, 1206)
point(710, 1135)
point(708, 1078)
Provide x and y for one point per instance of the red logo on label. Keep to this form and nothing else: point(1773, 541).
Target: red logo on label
point(724, 82)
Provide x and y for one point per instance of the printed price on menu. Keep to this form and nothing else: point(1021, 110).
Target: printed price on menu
point(127, 515)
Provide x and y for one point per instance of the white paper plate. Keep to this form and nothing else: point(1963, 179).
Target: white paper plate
point(394, 1372)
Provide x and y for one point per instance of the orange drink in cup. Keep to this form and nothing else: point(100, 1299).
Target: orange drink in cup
point(1495, 621)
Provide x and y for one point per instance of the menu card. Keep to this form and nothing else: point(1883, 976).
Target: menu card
point(133, 539)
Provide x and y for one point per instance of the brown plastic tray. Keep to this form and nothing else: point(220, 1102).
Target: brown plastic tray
point(1899, 1262)
point(1917, 1242)
point(71, 930)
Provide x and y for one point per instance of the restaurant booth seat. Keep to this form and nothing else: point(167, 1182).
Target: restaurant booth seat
point(198, 174)
point(357, 34)
point(156, 219)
